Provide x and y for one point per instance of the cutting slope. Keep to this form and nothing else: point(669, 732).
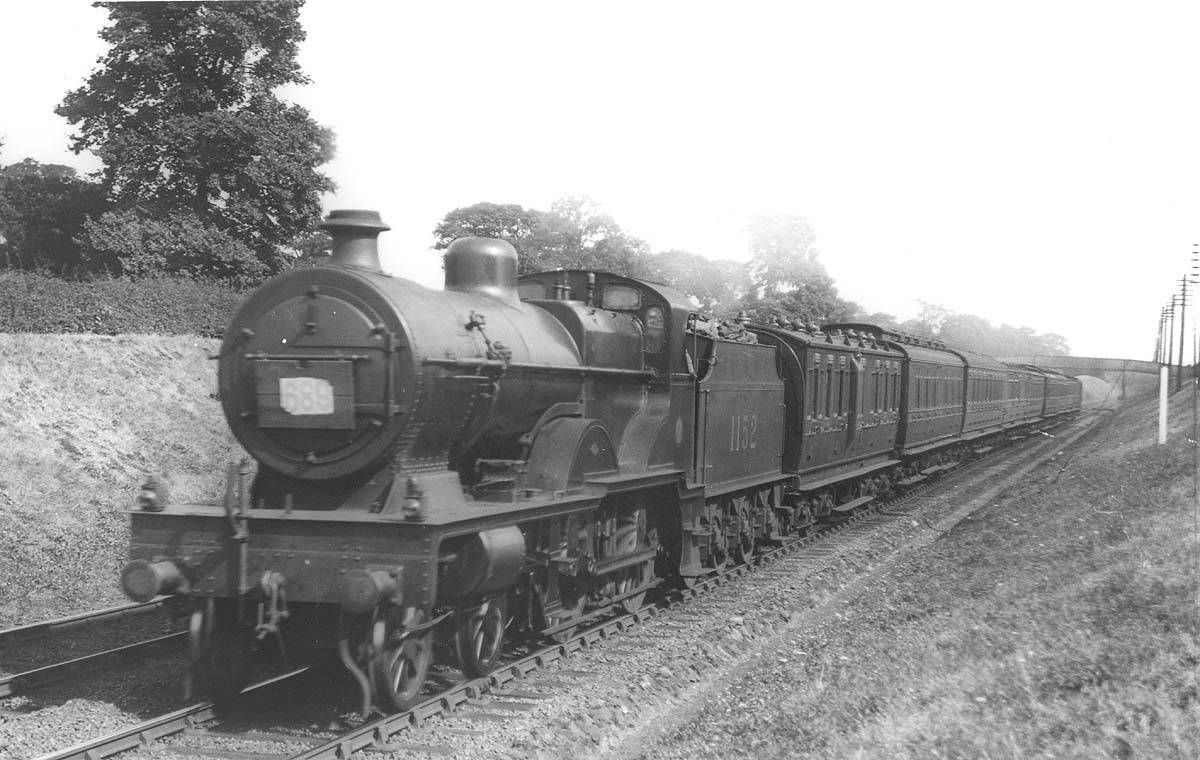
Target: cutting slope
point(83, 420)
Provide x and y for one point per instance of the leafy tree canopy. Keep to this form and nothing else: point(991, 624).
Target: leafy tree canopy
point(716, 285)
point(783, 253)
point(574, 233)
point(182, 114)
point(505, 221)
point(978, 334)
point(787, 279)
point(42, 209)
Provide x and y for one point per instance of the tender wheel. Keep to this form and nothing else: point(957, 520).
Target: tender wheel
point(633, 603)
point(716, 556)
point(479, 636)
point(803, 518)
point(564, 635)
point(399, 658)
point(637, 578)
point(741, 533)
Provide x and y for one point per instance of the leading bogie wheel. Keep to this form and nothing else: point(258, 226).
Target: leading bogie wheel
point(219, 656)
point(479, 636)
point(400, 657)
point(227, 667)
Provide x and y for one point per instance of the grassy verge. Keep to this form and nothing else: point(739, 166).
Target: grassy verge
point(1060, 621)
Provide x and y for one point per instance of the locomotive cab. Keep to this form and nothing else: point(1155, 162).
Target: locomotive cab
point(616, 321)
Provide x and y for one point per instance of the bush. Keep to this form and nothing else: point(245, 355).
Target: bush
point(31, 303)
point(133, 245)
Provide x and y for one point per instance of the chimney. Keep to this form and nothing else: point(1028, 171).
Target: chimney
point(355, 238)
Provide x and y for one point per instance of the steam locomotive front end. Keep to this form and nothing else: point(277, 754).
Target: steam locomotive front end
point(365, 401)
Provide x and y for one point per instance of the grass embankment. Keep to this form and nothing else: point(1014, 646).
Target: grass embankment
point(1060, 621)
point(84, 419)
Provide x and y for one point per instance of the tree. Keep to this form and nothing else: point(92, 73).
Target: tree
point(42, 210)
point(1053, 344)
point(716, 285)
point(928, 323)
point(567, 236)
point(981, 336)
point(505, 221)
point(783, 253)
point(971, 332)
point(881, 318)
point(573, 234)
point(182, 114)
point(788, 279)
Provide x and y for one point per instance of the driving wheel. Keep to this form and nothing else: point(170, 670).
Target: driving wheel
point(400, 657)
point(479, 635)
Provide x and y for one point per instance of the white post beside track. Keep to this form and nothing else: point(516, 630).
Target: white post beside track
point(1162, 404)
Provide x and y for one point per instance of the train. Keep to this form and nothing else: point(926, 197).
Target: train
point(432, 471)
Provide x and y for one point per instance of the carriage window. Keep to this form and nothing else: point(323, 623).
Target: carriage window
point(621, 297)
point(531, 291)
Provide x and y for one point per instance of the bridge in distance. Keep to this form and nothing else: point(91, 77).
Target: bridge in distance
point(1109, 370)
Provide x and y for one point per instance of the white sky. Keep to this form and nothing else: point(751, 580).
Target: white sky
point(1033, 163)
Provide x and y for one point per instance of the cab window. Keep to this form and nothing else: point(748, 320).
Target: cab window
point(620, 298)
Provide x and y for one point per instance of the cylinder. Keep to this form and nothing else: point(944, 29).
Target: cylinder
point(483, 563)
point(363, 590)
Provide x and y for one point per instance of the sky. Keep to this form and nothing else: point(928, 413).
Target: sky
point(1032, 163)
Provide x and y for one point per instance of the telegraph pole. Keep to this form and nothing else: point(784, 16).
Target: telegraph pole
point(1158, 344)
point(1164, 373)
point(1183, 281)
point(1194, 278)
point(1171, 331)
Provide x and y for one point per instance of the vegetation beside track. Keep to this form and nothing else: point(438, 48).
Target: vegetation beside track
point(85, 419)
point(1060, 621)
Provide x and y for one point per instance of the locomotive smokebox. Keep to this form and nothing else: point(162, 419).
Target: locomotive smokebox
point(484, 266)
point(355, 237)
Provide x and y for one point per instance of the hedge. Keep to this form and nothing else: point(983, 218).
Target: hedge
point(34, 303)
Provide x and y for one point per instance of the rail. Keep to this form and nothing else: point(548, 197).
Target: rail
point(147, 732)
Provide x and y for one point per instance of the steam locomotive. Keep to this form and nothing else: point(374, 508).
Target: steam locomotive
point(514, 456)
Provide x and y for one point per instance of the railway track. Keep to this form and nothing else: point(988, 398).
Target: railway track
point(49, 651)
point(508, 691)
point(147, 732)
